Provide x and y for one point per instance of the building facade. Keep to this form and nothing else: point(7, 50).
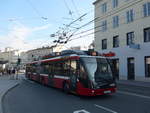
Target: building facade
point(24, 60)
point(10, 57)
point(123, 27)
point(38, 53)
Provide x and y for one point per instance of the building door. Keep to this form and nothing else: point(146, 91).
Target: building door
point(115, 68)
point(147, 66)
point(131, 72)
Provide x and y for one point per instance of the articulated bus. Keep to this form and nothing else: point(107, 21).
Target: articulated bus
point(81, 74)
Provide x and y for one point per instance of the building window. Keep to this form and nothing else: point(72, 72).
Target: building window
point(104, 8)
point(116, 41)
point(115, 21)
point(146, 9)
point(104, 44)
point(147, 35)
point(114, 3)
point(130, 17)
point(130, 38)
point(104, 25)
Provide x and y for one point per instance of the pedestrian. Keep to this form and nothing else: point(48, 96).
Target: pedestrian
point(9, 71)
point(14, 73)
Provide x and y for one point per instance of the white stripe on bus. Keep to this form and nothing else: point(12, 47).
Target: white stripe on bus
point(44, 74)
point(62, 77)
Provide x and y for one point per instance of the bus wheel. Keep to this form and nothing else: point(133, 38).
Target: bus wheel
point(66, 87)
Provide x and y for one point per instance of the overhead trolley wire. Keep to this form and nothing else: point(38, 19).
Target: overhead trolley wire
point(99, 26)
point(75, 7)
point(70, 11)
point(35, 9)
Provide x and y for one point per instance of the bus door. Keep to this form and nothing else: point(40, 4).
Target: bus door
point(83, 75)
point(73, 75)
point(51, 75)
point(38, 71)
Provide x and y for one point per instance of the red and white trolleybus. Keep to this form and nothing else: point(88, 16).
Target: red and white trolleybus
point(75, 72)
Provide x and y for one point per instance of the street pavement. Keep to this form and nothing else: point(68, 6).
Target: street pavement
point(31, 97)
point(6, 83)
point(134, 83)
point(138, 87)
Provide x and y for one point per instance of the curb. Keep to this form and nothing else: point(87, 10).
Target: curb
point(4, 93)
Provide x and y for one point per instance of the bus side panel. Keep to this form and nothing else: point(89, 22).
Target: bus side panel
point(58, 82)
point(34, 77)
point(83, 91)
point(27, 75)
point(31, 76)
point(45, 80)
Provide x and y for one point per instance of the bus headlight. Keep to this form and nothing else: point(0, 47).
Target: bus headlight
point(113, 84)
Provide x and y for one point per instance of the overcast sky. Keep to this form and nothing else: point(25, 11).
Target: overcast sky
point(27, 24)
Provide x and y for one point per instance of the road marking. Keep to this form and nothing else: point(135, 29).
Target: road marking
point(134, 94)
point(81, 111)
point(106, 109)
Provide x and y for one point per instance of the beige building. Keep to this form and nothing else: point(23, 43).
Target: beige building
point(9, 55)
point(36, 54)
point(24, 59)
point(123, 27)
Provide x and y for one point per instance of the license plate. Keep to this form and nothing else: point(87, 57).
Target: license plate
point(106, 92)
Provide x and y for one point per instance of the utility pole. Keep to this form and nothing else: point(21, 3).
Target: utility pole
point(18, 63)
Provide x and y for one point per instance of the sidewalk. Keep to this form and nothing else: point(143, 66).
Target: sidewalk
point(132, 86)
point(134, 83)
point(6, 83)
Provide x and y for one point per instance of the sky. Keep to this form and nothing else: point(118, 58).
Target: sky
point(28, 24)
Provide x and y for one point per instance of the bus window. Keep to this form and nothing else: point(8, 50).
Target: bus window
point(33, 68)
point(73, 67)
point(50, 70)
point(58, 68)
point(66, 68)
point(28, 68)
point(45, 69)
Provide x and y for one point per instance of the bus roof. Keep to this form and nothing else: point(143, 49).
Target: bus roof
point(59, 58)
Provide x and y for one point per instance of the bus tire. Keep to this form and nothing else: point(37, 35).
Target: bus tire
point(66, 87)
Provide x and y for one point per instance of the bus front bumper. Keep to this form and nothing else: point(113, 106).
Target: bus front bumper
point(95, 92)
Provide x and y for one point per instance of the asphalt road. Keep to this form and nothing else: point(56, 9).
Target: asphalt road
point(31, 97)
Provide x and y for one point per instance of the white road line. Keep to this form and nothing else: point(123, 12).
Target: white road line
point(106, 109)
point(81, 111)
point(134, 94)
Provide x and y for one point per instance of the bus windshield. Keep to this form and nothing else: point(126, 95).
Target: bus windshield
point(98, 69)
